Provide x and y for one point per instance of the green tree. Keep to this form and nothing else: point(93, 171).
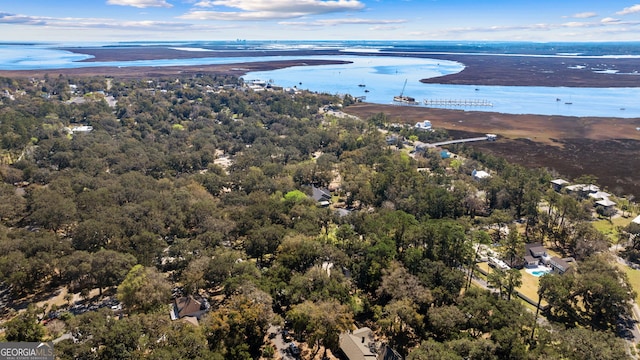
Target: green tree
point(238, 328)
point(320, 323)
point(144, 289)
point(25, 327)
point(431, 349)
point(51, 209)
point(402, 323)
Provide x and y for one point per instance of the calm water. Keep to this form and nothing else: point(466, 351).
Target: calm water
point(383, 77)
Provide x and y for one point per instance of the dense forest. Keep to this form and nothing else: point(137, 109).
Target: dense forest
point(199, 186)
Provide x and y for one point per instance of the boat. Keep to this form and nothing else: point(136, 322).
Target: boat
point(568, 103)
point(362, 85)
point(366, 91)
point(403, 99)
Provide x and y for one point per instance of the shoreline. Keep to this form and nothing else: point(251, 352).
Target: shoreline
point(479, 69)
point(235, 69)
point(607, 148)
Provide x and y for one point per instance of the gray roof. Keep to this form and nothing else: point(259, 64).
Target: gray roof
point(357, 345)
point(320, 194)
point(537, 249)
point(559, 263)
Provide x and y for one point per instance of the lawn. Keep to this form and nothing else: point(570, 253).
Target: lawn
point(529, 286)
point(634, 279)
point(530, 283)
point(609, 228)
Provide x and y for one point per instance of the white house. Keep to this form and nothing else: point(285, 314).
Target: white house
point(424, 125)
point(480, 174)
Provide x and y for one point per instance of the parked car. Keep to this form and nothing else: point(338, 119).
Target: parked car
point(286, 337)
point(294, 349)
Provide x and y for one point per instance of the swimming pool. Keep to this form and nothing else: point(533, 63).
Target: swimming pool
point(539, 271)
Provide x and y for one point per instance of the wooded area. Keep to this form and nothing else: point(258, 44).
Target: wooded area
point(142, 207)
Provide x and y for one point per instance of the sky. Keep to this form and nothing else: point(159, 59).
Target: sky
point(180, 20)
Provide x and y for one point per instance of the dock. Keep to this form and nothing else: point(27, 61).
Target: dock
point(457, 102)
point(487, 137)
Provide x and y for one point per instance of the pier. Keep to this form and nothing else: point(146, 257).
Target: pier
point(454, 102)
point(487, 137)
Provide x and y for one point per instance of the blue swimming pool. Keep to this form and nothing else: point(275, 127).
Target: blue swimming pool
point(538, 273)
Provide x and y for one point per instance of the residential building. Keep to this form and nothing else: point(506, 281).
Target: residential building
point(480, 174)
point(423, 125)
point(360, 345)
point(322, 196)
point(530, 261)
point(558, 184)
point(560, 266)
point(188, 306)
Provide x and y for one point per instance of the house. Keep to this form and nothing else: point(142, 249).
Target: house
point(322, 196)
point(358, 345)
point(560, 266)
point(491, 137)
point(530, 261)
point(188, 306)
point(558, 184)
point(606, 203)
point(424, 125)
point(583, 190)
point(480, 174)
point(606, 207)
point(536, 250)
point(636, 220)
point(599, 195)
point(81, 129)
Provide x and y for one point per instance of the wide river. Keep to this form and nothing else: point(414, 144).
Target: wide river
point(378, 79)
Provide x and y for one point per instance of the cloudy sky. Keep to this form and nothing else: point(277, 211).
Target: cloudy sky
point(118, 20)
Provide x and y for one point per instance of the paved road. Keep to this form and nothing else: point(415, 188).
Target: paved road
point(279, 343)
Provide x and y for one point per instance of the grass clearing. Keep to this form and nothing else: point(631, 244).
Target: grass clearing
point(634, 279)
point(610, 228)
point(530, 286)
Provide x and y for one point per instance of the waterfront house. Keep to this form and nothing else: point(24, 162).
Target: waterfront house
point(558, 184)
point(423, 125)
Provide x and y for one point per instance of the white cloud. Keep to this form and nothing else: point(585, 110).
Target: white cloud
point(572, 24)
point(609, 20)
point(269, 9)
point(384, 28)
point(629, 10)
point(87, 23)
point(204, 3)
point(141, 3)
point(584, 15)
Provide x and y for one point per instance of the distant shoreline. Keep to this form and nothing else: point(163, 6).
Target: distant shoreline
point(480, 69)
